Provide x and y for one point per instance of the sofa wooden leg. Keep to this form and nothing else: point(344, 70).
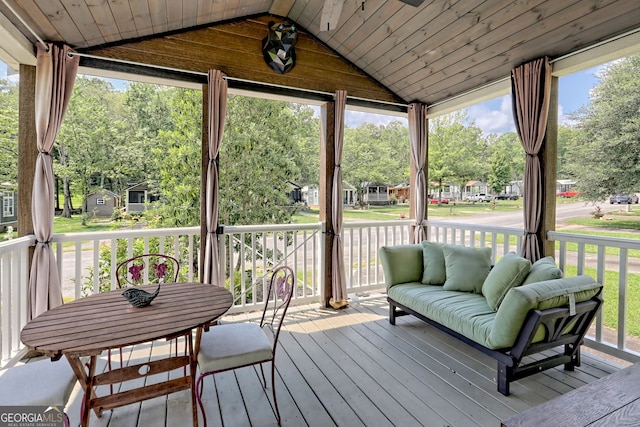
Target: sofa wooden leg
point(503, 379)
point(392, 314)
point(575, 359)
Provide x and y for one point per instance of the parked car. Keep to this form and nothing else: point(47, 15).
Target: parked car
point(507, 197)
point(623, 198)
point(434, 201)
point(568, 193)
point(479, 197)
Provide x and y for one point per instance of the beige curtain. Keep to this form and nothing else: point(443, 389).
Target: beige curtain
point(531, 91)
point(339, 281)
point(418, 137)
point(55, 75)
point(217, 115)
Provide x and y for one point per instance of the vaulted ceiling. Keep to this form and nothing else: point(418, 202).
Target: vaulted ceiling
point(382, 50)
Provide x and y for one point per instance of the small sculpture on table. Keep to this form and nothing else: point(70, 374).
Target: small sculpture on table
point(140, 298)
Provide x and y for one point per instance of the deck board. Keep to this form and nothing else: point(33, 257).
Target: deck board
point(351, 367)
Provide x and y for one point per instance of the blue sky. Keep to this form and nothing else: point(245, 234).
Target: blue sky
point(491, 116)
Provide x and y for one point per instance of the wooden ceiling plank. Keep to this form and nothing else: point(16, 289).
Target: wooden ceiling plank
point(561, 40)
point(123, 16)
point(55, 11)
point(230, 9)
point(434, 39)
point(174, 14)
point(34, 17)
point(281, 7)
point(310, 16)
point(398, 27)
point(141, 17)
point(298, 8)
point(430, 20)
point(80, 14)
point(157, 13)
point(375, 14)
point(189, 13)
point(204, 12)
point(402, 69)
point(491, 46)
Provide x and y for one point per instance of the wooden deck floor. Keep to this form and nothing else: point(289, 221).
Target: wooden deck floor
point(352, 368)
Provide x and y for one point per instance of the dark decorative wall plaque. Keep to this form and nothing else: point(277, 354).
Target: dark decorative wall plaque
point(277, 47)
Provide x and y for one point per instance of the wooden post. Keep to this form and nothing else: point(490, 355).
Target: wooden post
point(327, 164)
point(549, 166)
point(27, 147)
point(203, 177)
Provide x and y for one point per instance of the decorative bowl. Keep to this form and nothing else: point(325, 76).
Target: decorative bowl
point(140, 298)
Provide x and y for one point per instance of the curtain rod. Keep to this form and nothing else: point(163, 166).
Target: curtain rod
point(26, 25)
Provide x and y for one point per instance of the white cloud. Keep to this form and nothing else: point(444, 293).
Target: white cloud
point(356, 118)
point(492, 120)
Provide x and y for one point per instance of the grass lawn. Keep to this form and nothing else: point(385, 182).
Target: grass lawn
point(395, 212)
point(74, 225)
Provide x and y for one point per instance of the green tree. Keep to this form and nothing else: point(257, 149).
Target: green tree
point(605, 155)
point(507, 150)
point(8, 132)
point(499, 172)
point(371, 155)
point(457, 150)
point(90, 139)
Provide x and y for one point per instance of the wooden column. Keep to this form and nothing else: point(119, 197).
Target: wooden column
point(203, 177)
point(27, 147)
point(549, 166)
point(327, 164)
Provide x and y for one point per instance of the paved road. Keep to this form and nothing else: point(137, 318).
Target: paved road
point(564, 212)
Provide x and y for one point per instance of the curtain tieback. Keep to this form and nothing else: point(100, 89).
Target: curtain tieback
point(531, 155)
point(43, 243)
point(529, 233)
point(46, 153)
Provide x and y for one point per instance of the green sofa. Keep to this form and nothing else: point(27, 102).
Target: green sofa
point(508, 311)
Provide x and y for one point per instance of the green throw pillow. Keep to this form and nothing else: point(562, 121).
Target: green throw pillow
point(466, 268)
point(508, 273)
point(433, 272)
point(543, 269)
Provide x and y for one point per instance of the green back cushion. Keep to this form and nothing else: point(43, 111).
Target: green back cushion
point(543, 269)
point(508, 273)
point(466, 268)
point(541, 295)
point(401, 264)
point(433, 264)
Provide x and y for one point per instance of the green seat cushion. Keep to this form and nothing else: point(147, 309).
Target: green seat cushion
point(543, 269)
point(466, 268)
point(541, 296)
point(434, 272)
point(509, 272)
point(464, 312)
point(401, 263)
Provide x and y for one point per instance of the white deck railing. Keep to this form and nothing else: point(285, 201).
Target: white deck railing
point(250, 251)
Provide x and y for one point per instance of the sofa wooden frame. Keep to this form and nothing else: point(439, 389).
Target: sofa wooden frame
point(564, 329)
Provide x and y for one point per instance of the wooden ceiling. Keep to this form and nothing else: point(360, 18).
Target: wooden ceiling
point(390, 51)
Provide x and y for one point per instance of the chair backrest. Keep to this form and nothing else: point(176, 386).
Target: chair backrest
point(147, 268)
point(277, 299)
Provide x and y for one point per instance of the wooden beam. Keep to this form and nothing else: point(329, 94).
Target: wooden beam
point(27, 147)
point(331, 12)
point(203, 177)
point(281, 7)
point(327, 165)
point(549, 166)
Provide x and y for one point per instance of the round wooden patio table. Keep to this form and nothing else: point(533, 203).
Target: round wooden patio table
point(88, 326)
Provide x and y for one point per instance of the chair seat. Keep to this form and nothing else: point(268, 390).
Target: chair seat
point(230, 346)
point(42, 383)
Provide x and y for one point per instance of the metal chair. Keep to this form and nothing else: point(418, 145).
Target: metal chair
point(231, 346)
point(39, 383)
point(146, 269)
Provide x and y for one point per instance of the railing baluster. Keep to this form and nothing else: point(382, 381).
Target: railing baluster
point(622, 299)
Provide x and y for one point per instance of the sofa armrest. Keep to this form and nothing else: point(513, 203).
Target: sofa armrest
point(537, 296)
point(401, 264)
